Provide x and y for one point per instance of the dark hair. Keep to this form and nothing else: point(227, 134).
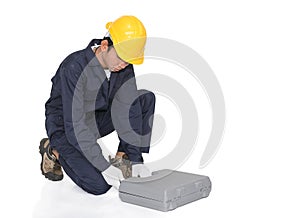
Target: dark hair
point(110, 42)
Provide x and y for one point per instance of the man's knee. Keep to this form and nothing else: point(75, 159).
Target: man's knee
point(84, 174)
point(148, 98)
point(95, 185)
point(151, 97)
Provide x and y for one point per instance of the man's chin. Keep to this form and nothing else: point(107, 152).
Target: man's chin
point(114, 70)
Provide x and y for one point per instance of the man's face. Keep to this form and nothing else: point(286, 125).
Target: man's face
point(113, 61)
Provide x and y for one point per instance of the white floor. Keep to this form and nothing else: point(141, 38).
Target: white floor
point(64, 199)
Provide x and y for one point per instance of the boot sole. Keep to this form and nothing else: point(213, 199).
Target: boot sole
point(50, 176)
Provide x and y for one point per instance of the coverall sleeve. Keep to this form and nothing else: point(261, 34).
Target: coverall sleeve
point(77, 132)
point(128, 107)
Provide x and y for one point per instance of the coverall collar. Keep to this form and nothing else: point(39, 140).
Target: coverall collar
point(93, 61)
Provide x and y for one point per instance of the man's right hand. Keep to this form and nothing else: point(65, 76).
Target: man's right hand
point(113, 176)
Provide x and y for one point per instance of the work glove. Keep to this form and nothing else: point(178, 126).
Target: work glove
point(113, 176)
point(140, 170)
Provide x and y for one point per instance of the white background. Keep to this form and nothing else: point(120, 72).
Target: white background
point(252, 46)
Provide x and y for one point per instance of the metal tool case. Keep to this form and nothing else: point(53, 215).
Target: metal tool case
point(165, 190)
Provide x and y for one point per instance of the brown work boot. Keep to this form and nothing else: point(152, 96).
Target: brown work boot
point(50, 167)
point(123, 163)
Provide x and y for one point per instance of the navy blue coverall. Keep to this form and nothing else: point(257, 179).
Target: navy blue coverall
point(78, 112)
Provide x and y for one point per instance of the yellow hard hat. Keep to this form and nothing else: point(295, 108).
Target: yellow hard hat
point(129, 38)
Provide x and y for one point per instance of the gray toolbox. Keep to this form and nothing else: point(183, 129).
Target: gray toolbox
point(165, 190)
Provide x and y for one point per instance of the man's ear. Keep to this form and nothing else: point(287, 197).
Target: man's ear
point(104, 45)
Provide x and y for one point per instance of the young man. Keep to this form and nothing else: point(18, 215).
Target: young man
point(93, 93)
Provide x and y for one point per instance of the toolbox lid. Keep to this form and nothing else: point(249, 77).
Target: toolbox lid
point(165, 185)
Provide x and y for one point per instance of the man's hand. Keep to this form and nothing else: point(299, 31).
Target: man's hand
point(140, 170)
point(113, 176)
